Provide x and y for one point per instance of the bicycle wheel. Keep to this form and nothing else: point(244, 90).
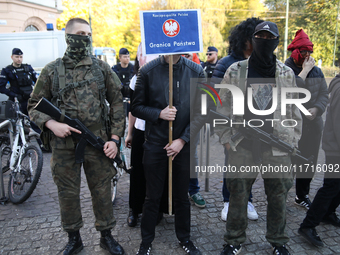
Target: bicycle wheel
point(114, 183)
point(21, 184)
point(5, 157)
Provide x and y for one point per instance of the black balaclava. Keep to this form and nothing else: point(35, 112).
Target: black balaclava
point(262, 58)
point(78, 46)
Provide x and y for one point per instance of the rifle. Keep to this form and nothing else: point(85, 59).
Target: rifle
point(257, 136)
point(86, 135)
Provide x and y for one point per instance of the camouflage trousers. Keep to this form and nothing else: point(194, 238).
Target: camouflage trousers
point(67, 176)
point(276, 187)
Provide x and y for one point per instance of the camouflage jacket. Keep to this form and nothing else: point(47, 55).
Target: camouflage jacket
point(284, 77)
point(82, 102)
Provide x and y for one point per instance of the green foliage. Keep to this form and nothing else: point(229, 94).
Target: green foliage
point(240, 11)
point(115, 23)
point(317, 18)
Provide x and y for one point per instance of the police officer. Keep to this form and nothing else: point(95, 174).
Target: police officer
point(21, 78)
point(82, 93)
point(210, 64)
point(124, 70)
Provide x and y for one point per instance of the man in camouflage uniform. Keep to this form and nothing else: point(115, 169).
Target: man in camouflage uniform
point(262, 72)
point(81, 98)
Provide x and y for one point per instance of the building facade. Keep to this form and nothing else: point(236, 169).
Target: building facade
point(28, 15)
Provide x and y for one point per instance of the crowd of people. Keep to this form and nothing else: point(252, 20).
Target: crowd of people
point(81, 86)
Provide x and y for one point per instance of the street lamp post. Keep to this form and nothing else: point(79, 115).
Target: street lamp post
point(336, 34)
point(90, 25)
point(286, 33)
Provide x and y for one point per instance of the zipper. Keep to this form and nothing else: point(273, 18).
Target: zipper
point(178, 93)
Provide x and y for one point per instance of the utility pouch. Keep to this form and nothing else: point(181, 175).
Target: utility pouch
point(45, 137)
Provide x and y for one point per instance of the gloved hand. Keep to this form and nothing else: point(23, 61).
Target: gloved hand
point(19, 97)
point(26, 96)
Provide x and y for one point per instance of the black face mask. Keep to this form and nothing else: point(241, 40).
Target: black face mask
point(264, 48)
point(262, 58)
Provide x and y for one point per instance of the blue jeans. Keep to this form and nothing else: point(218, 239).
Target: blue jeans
point(193, 186)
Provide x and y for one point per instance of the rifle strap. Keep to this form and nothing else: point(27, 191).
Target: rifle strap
point(99, 77)
point(243, 75)
point(256, 151)
point(294, 152)
point(62, 84)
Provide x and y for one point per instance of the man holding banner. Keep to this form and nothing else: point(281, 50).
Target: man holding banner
point(151, 103)
point(165, 97)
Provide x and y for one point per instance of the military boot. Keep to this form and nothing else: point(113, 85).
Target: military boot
point(108, 243)
point(74, 245)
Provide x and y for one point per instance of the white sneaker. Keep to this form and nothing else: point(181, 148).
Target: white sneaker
point(224, 212)
point(251, 212)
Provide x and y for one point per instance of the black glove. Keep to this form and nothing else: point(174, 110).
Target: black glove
point(26, 96)
point(19, 97)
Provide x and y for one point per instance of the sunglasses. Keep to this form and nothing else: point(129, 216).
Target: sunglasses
point(304, 52)
point(209, 54)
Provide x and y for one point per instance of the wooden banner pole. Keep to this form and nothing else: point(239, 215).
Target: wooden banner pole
point(170, 129)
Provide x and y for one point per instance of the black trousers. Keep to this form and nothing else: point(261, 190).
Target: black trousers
point(327, 199)
point(155, 163)
point(309, 146)
point(137, 179)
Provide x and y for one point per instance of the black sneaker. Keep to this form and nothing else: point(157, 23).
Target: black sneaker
point(305, 202)
point(190, 248)
point(144, 249)
point(311, 236)
point(332, 219)
point(231, 250)
point(280, 250)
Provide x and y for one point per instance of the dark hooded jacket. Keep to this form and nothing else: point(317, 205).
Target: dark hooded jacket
point(331, 133)
point(316, 84)
point(224, 63)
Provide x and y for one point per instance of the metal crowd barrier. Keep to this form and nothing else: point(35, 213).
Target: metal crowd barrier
point(205, 136)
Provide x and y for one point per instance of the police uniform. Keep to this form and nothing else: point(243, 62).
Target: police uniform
point(21, 80)
point(207, 66)
point(81, 100)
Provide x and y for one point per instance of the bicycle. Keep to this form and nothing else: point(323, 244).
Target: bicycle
point(20, 156)
point(123, 152)
point(120, 171)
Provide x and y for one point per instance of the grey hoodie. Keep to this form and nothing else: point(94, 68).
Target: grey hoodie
point(331, 132)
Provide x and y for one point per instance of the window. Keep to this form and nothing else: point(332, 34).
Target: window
point(31, 28)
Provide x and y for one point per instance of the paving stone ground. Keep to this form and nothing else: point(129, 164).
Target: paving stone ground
point(34, 226)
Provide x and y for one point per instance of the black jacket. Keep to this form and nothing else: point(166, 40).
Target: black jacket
point(224, 63)
point(315, 83)
point(331, 134)
point(151, 96)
